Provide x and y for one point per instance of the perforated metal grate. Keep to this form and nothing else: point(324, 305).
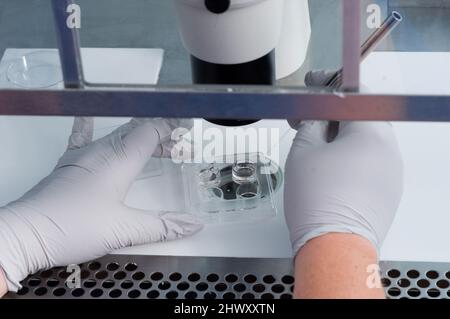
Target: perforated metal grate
point(142, 277)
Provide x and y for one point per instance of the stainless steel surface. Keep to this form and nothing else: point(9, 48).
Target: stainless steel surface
point(69, 45)
point(153, 277)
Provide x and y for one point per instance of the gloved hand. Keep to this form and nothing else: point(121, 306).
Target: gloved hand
point(77, 213)
point(351, 185)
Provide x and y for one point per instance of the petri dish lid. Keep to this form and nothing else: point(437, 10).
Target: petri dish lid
point(36, 70)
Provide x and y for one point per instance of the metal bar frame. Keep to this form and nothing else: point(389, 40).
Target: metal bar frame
point(80, 99)
point(69, 46)
point(351, 52)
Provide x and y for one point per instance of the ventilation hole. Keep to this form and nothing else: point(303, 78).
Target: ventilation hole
point(385, 282)
point(259, 288)
point(404, 283)
point(84, 274)
point(172, 295)
point(131, 267)
point(103, 274)
point(46, 273)
point(269, 279)
point(231, 278)
point(423, 283)
point(133, 294)
point(40, 291)
point(78, 292)
point(250, 279)
point(239, 287)
point(221, 287)
point(108, 284)
point(202, 286)
point(448, 293)
point(432, 274)
point(63, 274)
point(288, 280)
point(116, 293)
point(176, 276)
point(183, 286)
point(229, 295)
point(113, 266)
point(194, 277)
point(23, 291)
point(394, 292)
point(34, 282)
point(278, 289)
point(212, 278)
point(191, 295)
point(413, 274)
point(153, 294)
point(248, 296)
point(286, 296)
point(138, 276)
point(210, 295)
point(120, 275)
point(267, 296)
point(156, 276)
point(59, 292)
point(94, 266)
point(433, 293)
point(89, 283)
point(447, 274)
point(443, 284)
point(145, 285)
point(127, 284)
point(164, 285)
point(96, 293)
point(292, 288)
point(414, 292)
point(393, 273)
point(52, 283)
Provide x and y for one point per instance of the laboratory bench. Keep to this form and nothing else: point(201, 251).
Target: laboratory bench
point(146, 73)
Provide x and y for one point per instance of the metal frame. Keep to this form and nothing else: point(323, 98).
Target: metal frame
point(82, 99)
point(251, 104)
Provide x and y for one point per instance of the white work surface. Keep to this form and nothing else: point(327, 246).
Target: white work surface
point(32, 145)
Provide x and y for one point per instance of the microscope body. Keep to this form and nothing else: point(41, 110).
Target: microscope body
point(244, 42)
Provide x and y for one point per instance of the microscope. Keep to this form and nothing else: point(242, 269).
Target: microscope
point(244, 42)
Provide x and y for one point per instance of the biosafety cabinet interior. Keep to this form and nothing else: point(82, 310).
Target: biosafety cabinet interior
point(120, 61)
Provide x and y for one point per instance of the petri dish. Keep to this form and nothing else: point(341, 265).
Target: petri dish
point(36, 70)
point(209, 177)
point(244, 172)
point(248, 191)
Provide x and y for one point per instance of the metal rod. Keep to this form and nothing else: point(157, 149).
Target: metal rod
point(392, 21)
point(380, 34)
point(351, 44)
point(69, 46)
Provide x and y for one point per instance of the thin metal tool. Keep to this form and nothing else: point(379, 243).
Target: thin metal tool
point(391, 22)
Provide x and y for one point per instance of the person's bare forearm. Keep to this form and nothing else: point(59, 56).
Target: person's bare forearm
point(336, 266)
point(3, 288)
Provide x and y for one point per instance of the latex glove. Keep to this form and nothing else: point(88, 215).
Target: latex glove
point(77, 213)
point(351, 185)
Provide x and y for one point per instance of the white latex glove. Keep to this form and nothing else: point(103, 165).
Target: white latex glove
point(351, 185)
point(77, 213)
